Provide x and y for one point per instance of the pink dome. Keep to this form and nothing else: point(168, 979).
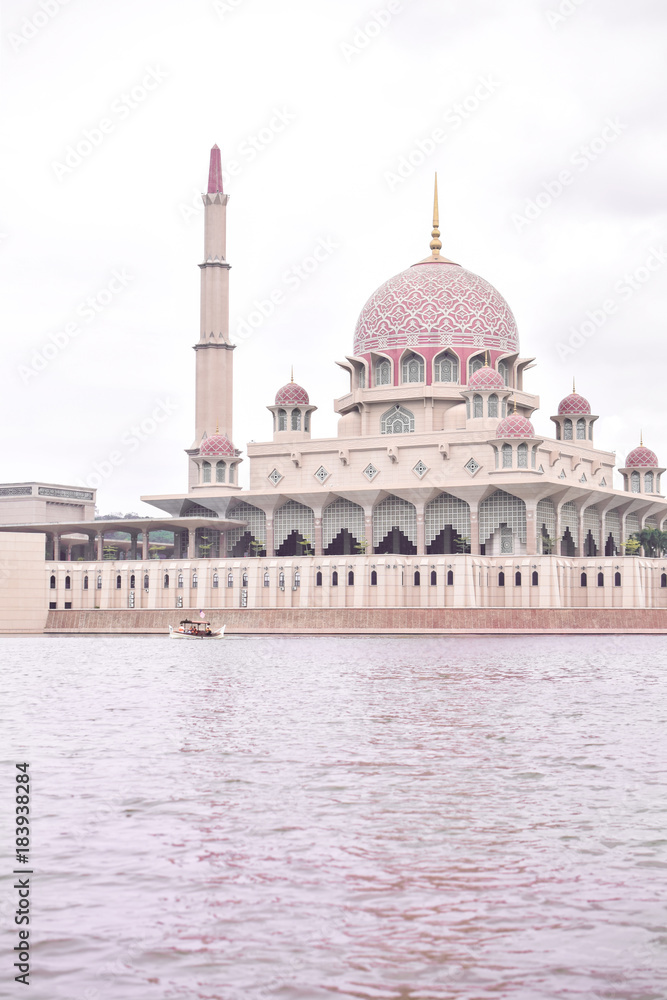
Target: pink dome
point(574, 403)
point(515, 426)
point(292, 395)
point(641, 458)
point(436, 304)
point(217, 444)
point(486, 378)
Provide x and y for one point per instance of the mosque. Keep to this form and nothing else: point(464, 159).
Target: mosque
point(437, 491)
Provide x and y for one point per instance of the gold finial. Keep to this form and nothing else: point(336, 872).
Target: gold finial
point(217, 427)
point(514, 404)
point(573, 385)
point(641, 438)
point(292, 374)
point(486, 359)
point(435, 244)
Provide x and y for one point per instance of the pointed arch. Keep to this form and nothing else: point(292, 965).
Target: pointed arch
point(397, 420)
point(413, 367)
point(395, 527)
point(294, 529)
point(446, 367)
point(342, 528)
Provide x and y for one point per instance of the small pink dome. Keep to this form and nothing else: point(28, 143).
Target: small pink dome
point(486, 378)
point(642, 458)
point(574, 403)
point(292, 395)
point(515, 426)
point(217, 444)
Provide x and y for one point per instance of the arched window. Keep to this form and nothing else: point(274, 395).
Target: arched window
point(475, 365)
point(216, 581)
point(166, 581)
point(133, 582)
point(522, 456)
point(231, 473)
point(450, 577)
point(635, 482)
point(434, 578)
point(397, 420)
point(350, 578)
point(507, 456)
point(68, 582)
point(334, 579)
point(282, 420)
point(477, 406)
point(383, 373)
point(446, 368)
point(663, 580)
point(244, 579)
point(267, 579)
point(306, 421)
point(648, 482)
point(567, 429)
point(374, 578)
point(53, 583)
point(590, 431)
point(318, 579)
point(206, 472)
point(617, 579)
point(493, 405)
point(119, 583)
point(584, 580)
point(535, 578)
point(600, 579)
point(85, 583)
point(412, 368)
point(297, 578)
point(361, 379)
point(219, 472)
point(504, 372)
point(99, 581)
point(517, 579)
point(501, 579)
point(296, 420)
point(195, 579)
point(146, 582)
point(417, 578)
point(581, 429)
point(281, 580)
point(230, 579)
point(180, 580)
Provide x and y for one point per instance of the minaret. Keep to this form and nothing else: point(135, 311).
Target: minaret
point(214, 380)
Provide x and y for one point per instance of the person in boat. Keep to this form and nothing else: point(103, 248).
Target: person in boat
point(208, 630)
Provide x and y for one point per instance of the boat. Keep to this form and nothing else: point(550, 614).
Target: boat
point(195, 630)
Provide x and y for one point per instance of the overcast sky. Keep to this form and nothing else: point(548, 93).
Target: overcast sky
point(549, 118)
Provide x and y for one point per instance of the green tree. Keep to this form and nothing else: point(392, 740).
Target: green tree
point(632, 545)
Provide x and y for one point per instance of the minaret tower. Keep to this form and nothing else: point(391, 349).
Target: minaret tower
point(214, 365)
point(214, 351)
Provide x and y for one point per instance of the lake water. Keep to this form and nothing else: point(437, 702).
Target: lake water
point(318, 818)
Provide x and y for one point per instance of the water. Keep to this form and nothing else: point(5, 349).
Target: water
point(367, 818)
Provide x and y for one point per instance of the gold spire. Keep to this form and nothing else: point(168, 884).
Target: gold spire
point(514, 401)
point(486, 359)
point(573, 385)
point(217, 427)
point(436, 245)
point(641, 438)
point(291, 378)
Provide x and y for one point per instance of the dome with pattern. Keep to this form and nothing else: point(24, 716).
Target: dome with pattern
point(515, 426)
point(217, 444)
point(574, 404)
point(641, 458)
point(486, 378)
point(292, 395)
point(433, 304)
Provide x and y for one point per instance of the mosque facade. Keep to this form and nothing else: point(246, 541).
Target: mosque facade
point(438, 490)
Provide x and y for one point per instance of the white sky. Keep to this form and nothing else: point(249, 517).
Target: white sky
point(219, 73)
